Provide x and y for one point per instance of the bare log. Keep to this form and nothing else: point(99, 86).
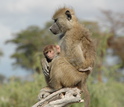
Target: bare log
point(61, 98)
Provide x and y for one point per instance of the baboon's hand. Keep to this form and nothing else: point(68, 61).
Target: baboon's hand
point(86, 69)
point(45, 67)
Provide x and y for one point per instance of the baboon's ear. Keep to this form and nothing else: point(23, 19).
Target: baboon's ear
point(68, 14)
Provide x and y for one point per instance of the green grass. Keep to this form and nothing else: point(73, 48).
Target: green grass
point(24, 94)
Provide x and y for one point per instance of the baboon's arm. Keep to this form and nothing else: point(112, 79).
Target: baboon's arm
point(78, 57)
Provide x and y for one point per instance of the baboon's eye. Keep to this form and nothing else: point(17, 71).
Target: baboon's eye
point(55, 20)
point(68, 14)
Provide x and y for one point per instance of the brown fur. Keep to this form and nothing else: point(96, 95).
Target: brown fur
point(77, 51)
point(45, 62)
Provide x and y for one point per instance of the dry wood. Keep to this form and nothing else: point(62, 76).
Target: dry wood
point(61, 98)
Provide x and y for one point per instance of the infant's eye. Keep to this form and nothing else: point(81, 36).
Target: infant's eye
point(46, 52)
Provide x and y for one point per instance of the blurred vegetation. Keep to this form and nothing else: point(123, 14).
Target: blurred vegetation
point(30, 42)
point(21, 94)
point(106, 83)
point(24, 94)
point(1, 53)
point(2, 78)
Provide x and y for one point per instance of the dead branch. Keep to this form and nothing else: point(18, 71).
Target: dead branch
point(61, 98)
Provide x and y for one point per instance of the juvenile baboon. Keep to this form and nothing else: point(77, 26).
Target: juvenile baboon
point(49, 52)
point(77, 52)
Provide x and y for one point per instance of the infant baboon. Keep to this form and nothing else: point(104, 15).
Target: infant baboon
point(49, 52)
point(77, 53)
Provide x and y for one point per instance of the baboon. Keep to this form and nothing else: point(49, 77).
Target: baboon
point(77, 53)
point(49, 52)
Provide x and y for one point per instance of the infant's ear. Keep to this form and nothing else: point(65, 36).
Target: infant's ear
point(58, 48)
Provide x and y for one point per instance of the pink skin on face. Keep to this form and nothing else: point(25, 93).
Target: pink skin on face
point(51, 54)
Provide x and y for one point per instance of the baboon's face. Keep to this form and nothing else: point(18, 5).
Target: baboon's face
point(62, 21)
